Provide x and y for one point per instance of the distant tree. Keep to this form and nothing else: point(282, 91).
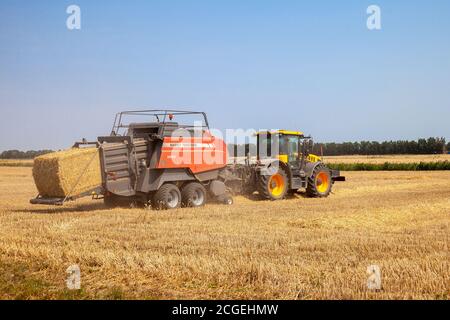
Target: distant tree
point(16, 154)
point(422, 146)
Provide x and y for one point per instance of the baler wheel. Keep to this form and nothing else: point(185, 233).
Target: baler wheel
point(320, 183)
point(273, 187)
point(193, 195)
point(167, 197)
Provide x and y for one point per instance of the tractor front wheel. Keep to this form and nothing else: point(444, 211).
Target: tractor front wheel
point(320, 183)
point(273, 187)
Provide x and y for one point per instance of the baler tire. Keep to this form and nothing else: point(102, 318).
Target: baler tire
point(193, 195)
point(317, 188)
point(264, 185)
point(167, 197)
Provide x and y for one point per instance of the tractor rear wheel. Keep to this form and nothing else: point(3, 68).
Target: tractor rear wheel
point(319, 184)
point(167, 197)
point(273, 187)
point(193, 195)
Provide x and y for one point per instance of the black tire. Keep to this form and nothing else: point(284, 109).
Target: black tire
point(265, 187)
point(315, 188)
point(167, 197)
point(193, 195)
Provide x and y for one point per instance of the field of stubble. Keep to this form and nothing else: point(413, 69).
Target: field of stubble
point(298, 248)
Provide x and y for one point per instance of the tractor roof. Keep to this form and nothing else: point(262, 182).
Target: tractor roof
point(285, 132)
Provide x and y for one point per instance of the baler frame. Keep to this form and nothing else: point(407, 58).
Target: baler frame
point(160, 115)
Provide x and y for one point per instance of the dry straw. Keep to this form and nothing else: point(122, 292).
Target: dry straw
point(58, 174)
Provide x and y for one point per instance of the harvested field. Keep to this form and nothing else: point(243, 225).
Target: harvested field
point(298, 248)
point(16, 163)
point(390, 163)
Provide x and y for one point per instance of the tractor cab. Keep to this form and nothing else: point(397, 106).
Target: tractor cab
point(290, 147)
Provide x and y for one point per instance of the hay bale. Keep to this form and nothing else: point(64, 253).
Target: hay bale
point(56, 174)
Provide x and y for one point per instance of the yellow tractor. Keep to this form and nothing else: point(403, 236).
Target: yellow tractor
point(285, 165)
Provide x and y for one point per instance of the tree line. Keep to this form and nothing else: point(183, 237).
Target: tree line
point(16, 154)
point(421, 146)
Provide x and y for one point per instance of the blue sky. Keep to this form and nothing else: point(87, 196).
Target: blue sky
point(310, 65)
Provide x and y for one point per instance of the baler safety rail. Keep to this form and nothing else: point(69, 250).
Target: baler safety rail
point(59, 201)
point(84, 142)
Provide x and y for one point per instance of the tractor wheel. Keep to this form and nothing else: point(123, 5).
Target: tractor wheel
point(167, 197)
point(193, 195)
point(273, 187)
point(319, 184)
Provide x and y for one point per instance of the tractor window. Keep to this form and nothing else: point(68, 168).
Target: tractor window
point(289, 147)
point(284, 145)
point(292, 148)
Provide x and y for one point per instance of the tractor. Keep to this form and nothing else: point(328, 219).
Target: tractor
point(284, 165)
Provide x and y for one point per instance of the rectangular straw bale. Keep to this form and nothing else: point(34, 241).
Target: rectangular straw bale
point(57, 173)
